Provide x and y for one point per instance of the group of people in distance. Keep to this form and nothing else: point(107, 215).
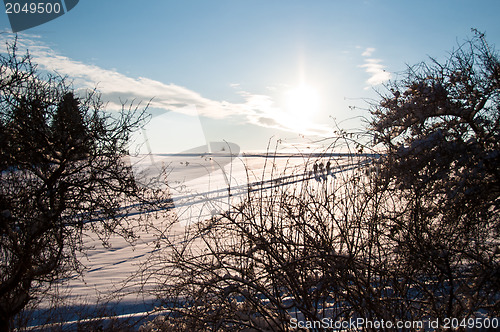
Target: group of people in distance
point(321, 172)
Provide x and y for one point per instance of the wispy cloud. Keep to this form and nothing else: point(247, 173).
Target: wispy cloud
point(115, 88)
point(375, 68)
point(368, 51)
point(262, 110)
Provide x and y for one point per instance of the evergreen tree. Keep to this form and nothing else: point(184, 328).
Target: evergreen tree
point(68, 128)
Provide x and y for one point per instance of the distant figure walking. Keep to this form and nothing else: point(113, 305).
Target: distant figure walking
point(321, 172)
point(318, 169)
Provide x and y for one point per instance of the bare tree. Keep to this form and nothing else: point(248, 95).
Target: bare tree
point(63, 173)
point(303, 251)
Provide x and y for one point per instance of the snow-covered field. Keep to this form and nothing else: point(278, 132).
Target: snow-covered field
point(201, 184)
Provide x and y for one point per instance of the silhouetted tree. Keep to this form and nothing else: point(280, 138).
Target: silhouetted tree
point(63, 173)
point(440, 129)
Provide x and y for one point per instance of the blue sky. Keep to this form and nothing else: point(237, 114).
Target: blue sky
point(250, 69)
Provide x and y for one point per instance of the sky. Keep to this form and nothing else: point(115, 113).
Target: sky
point(249, 71)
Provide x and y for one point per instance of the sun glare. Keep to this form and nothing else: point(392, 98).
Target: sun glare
point(302, 103)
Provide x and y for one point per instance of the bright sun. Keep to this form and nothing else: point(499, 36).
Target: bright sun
point(302, 102)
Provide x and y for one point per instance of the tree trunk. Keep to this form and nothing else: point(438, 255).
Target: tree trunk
point(4, 323)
